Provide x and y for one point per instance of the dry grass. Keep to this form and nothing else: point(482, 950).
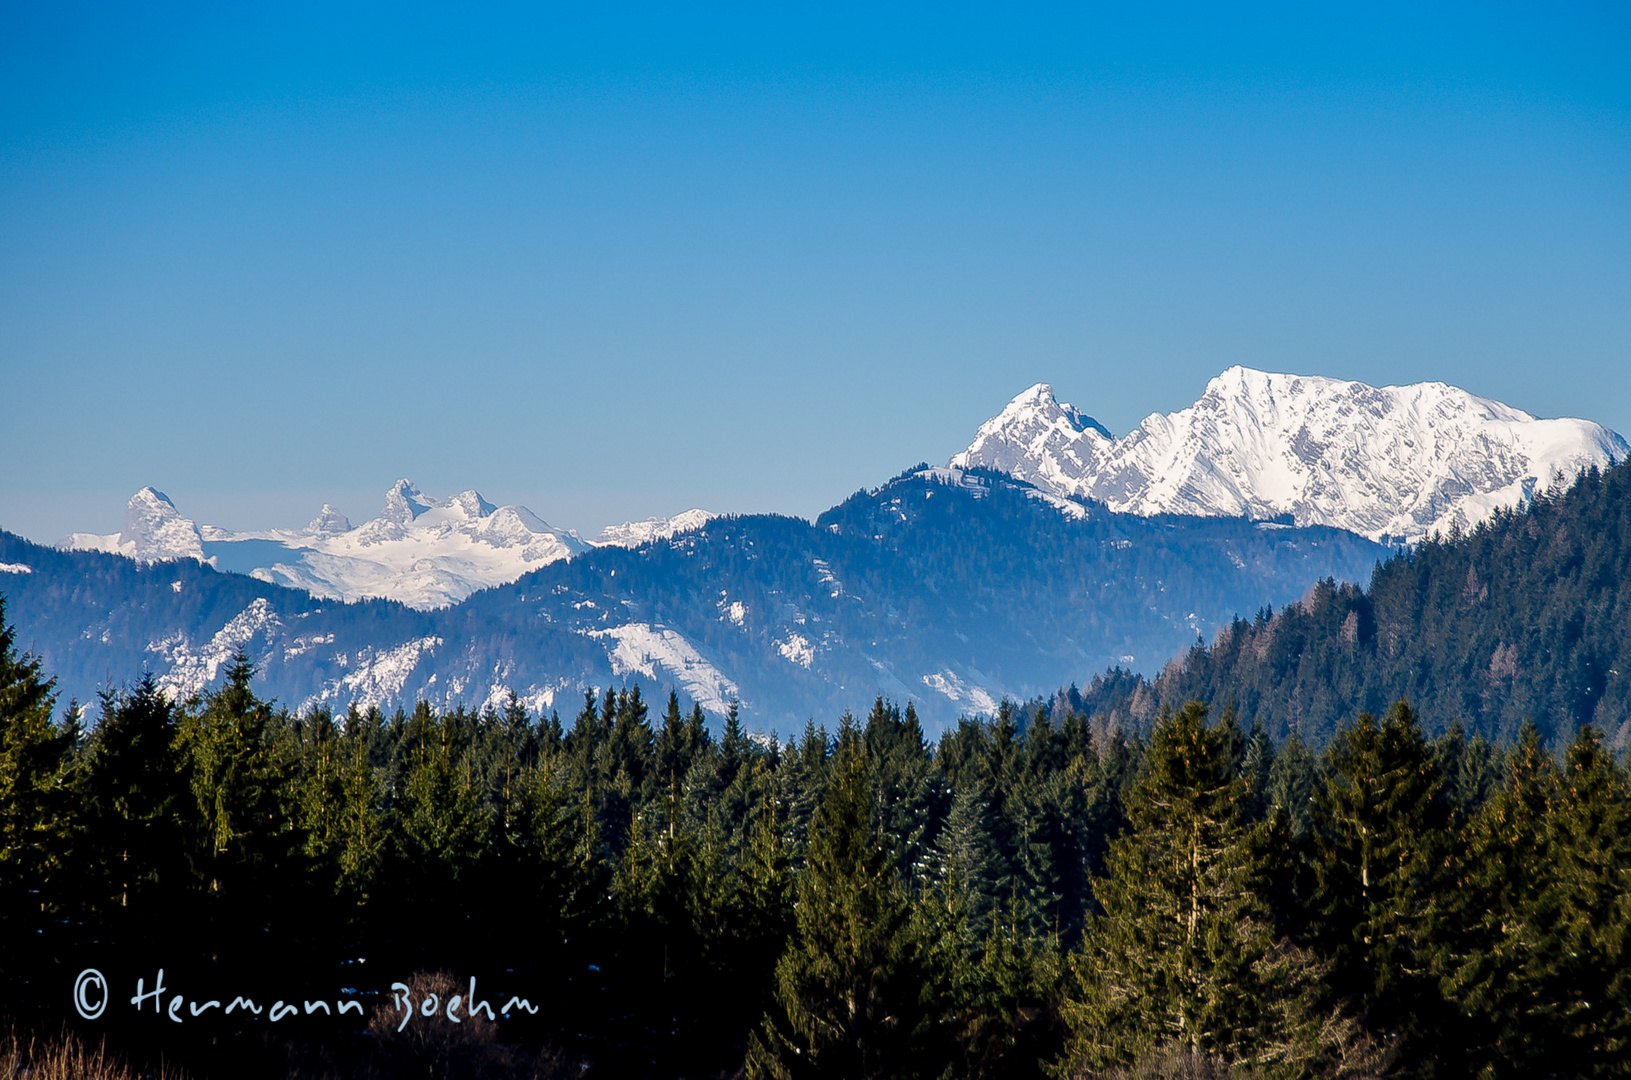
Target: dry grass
point(67, 1057)
point(1355, 1057)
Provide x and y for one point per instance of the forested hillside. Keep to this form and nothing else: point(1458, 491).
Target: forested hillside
point(950, 588)
point(1023, 897)
point(1527, 618)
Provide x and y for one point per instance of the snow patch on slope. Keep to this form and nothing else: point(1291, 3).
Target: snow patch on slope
point(376, 677)
point(948, 684)
point(796, 649)
point(192, 670)
point(640, 649)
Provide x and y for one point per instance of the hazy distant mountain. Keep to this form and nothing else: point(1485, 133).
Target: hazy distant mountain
point(154, 530)
point(422, 551)
point(948, 587)
point(1391, 463)
point(635, 533)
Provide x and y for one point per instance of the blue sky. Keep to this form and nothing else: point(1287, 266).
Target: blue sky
point(618, 262)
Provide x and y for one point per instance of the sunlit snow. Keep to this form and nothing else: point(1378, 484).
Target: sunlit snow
point(1390, 463)
point(192, 668)
point(424, 552)
point(634, 533)
point(956, 690)
point(641, 649)
point(796, 649)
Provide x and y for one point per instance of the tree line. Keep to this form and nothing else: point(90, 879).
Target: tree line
point(1032, 894)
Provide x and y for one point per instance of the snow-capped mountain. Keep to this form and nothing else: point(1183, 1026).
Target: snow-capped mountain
point(634, 533)
point(424, 552)
point(1391, 463)
point(154, 531)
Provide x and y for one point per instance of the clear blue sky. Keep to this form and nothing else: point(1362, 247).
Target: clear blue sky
point(612, 261)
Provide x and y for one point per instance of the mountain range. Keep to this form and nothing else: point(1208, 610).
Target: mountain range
point(1045, 552)
point(952, 588)
point(422, 551)
point(1392, 463)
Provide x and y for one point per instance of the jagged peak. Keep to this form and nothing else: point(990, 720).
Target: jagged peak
point(1039, 402)
point(329, 522)
point(1389, 462)
point(150, 495)
point(472, 504)
point(404, 502)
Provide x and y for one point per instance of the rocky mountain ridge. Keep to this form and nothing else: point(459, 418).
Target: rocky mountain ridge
point(422, 551)
point(1393, 464)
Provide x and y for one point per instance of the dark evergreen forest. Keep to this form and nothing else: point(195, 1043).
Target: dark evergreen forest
point(1311, 878)
point(1525, 619)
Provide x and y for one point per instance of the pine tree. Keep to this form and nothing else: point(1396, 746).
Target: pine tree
point(1582, 962)
point(34, 791)
point(854, 989)
point(1009, 1022)
point(140, 817)
point(361, 825)
point(1381, 860)
point(1506, 866)
point(1257, 770)
point(673, 753)
point(902, 775)
point(240, 779)
point(1183, 955)
point(967, 857)
point(1293, 781)
point(442, 824)
point(801, 780)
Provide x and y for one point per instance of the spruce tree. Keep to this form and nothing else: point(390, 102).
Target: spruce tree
point(361, 824)
point(1293, 781)
point(1382, 866)
point(855, 988)
point(1008, 996)
point(1582, 965)
point(240, 779)
point(1506, 866)
point(141, 820)
point(441, 823)
point(1183, 955)
point(966, 857)
point(34, 792)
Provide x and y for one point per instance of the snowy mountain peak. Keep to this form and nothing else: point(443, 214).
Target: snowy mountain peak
point(329, 522)
point(152, 497)
point(1390, 463)
point(154, 531)
point(1038, 438)
point(423, 551)
point(404, 502)
point(634, 533)
point(471, 505)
